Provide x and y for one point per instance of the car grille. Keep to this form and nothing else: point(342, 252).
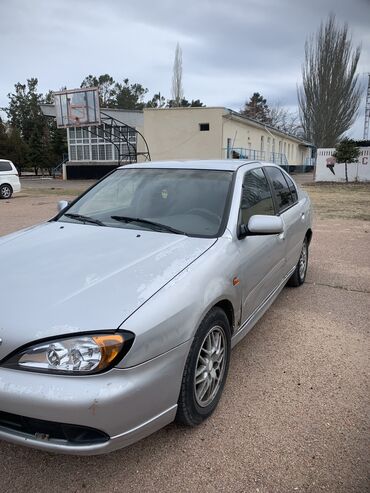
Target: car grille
point(50, 430)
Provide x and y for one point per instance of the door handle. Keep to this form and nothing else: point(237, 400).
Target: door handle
point(303, 216)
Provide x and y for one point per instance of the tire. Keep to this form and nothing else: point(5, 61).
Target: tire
point(299, 275)
point(214, 334)
point(6, 191)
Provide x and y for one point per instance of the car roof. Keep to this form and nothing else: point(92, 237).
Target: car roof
point(219, 165)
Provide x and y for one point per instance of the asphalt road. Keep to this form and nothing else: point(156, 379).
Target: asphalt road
point(295, 411)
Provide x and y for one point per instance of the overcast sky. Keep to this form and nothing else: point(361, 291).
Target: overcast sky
point(231, 48)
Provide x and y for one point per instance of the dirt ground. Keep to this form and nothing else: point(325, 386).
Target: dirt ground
point(295, 411)
point(37, 202)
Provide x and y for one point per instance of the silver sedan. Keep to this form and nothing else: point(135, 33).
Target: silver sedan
point(133, 296)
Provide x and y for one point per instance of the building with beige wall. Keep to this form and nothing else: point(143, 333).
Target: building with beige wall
point(180, 133)
point(218, 133)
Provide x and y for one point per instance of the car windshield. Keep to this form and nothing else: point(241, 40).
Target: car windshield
point(178, 201)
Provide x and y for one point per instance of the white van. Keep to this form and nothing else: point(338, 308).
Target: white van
point(9, 180)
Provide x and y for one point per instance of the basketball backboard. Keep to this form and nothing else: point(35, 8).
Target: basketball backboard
point(77, 107)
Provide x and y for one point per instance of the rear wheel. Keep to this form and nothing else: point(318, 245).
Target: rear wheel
point(205, 370)
point(5, 191)
point(299, 275)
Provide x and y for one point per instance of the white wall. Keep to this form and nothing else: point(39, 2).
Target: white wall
point(356, 171)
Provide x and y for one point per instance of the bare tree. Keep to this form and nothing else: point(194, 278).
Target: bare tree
point(330, 96)
point(285, 120)
point(177, 89)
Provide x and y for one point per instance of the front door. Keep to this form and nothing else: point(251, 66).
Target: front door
point(261, 257)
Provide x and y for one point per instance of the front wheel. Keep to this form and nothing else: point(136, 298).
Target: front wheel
point(205, 370)
point(299, 275)
point(5, 191)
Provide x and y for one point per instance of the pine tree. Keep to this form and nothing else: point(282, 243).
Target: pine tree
point(4, 141)
point(27, 122)
point(18, 149)
point(346, 152)
point(107, 90)
point(257, 108)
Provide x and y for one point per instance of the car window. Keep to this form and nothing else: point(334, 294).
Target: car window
point(5, 166)
point(292, 188)
point(256, 196)
point(189, 200)
point(115, 194)
point(280, 186)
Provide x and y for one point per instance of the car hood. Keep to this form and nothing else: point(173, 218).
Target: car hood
point(63, 278)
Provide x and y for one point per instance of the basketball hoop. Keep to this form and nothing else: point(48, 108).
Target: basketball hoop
point(80, 108)
point(77, 107)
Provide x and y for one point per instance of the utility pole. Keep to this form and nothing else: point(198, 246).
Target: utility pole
point(367, 111)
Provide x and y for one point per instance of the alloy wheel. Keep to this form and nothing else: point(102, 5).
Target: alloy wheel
point(6, 192)
point(303, 261)
point(210, 366)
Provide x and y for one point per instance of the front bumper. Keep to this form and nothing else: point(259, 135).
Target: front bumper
point(125, 404)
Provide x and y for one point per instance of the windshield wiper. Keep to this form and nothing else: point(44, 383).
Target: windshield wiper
point(85, 219)
point(159, 226)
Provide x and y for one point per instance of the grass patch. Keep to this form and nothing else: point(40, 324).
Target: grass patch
point(340, 200)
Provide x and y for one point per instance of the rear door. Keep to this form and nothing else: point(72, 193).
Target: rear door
point(262, 258)
point(9, 175)
point(292, 213)
point(7, 170)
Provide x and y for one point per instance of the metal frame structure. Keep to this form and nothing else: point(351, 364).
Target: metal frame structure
point(110, 128)
point(114, 125)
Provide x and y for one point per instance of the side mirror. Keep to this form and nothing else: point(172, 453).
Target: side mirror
point(62, 204)
point(262, 225)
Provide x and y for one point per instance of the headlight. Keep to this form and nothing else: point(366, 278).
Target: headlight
point(84, 354)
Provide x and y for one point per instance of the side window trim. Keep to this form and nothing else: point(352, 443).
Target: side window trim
point(262, 168)
point(275, 199)
point(272, 191)
point(241, 199)
point(291, 185)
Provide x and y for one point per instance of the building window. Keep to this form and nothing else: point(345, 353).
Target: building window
point(268, 146)
point(228, 148)
point(88, 144)
point(204, 127)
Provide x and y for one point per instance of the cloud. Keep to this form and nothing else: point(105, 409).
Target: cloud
point(230, 49)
